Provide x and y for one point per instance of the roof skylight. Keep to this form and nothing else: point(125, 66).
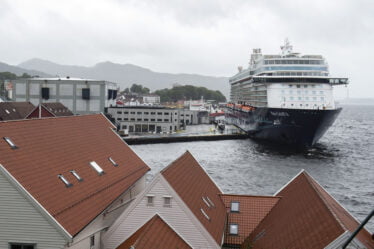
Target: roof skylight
point(210, 201)
point(206, 202)
point(7, 111)
point(203, 212)
point(96, 167)
point(112, 161)
point(76, 175)
point(10, 142)
point(65, 181)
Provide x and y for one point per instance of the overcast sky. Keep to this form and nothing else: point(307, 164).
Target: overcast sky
point(210, 37)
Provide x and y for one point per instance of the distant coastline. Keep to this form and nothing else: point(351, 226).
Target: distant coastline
point(356, 101)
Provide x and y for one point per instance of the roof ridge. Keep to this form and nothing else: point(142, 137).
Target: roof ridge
point(259, 196)
point(263, 219)
point(46, 118)
point(311, 181)
point(173, 162)
point(145, 228)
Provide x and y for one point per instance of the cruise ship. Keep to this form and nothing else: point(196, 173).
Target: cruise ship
point(285, 98)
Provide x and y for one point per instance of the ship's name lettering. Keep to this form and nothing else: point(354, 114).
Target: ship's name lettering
point(280, 114)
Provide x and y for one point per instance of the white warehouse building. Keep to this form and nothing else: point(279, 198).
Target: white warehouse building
point(81, 96)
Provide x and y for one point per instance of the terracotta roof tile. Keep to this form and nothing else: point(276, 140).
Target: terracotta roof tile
point(155, 234)
point(52, 146)
point(252, 209)
point(305, 217)
point(192, 183)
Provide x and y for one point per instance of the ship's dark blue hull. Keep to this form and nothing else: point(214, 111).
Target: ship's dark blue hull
point(298, 127)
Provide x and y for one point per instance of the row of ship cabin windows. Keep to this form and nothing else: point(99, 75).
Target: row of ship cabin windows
point(304, 99)
point(305, 86)
point(300, 74)
point(305, 92)
point(303, 62)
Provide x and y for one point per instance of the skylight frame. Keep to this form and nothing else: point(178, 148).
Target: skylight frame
point(65, 181)
point(97, 168)
point(10, 143)
point(74, 173)
point(112, 161)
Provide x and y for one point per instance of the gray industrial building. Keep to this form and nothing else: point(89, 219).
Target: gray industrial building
point(81, 96)
point(153, 119)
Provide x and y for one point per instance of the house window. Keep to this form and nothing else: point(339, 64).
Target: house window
point(92, 241)
point(234, 229)
point(150, 200)
point(167, 201)
point(21, 246)
point(235, 206)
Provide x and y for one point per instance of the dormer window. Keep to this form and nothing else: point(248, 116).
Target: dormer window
point(74, 173)
point(234, 207)
point(10, 142)
point(234, 229)
point(65, 181)
point(96, 167)
point(112, 161)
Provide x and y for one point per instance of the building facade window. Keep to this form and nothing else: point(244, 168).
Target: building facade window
point(150, 200)
point(92, 241)
point(235, 207)
point(167, 201)
point(234, 229)
point(21, 246)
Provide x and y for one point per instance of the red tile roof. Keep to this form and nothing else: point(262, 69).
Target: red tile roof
point(52, 146)
point(192, 183)
point(252, 209)
point(155, 234)
point(305, 217)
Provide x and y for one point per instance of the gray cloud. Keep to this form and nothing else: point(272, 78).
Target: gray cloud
point(208, 37)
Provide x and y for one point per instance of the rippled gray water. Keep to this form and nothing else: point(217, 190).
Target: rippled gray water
point(342, 162)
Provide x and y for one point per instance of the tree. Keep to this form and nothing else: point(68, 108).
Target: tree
point(189, 92)
point(135, 88)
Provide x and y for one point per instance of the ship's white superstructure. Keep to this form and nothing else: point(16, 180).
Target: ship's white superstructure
point(288, 80)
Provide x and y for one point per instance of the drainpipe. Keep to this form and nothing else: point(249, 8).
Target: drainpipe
point(358, 229)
